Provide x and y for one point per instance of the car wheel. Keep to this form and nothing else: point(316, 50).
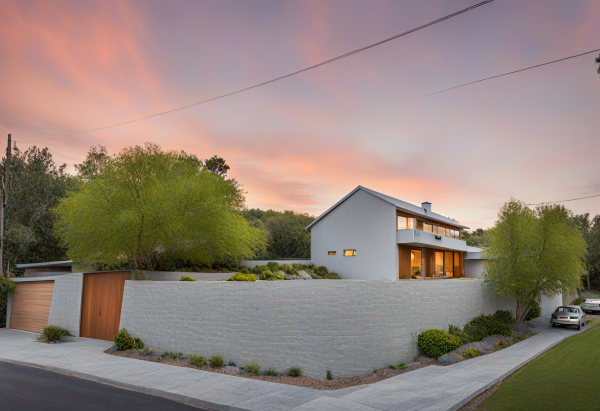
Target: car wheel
point(553, 325)
point(579, 326)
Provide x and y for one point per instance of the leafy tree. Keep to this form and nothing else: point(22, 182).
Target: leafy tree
point(217, 165)
point(532, 253)
point(287, 236)
point(37, 184)
point(476, 238)
point(94, 163)
point(146, 204)
point(590, 230)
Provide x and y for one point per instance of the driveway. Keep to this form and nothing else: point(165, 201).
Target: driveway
point(32, 389)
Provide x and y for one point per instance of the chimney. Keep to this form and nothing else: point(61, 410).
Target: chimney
point(426, 207)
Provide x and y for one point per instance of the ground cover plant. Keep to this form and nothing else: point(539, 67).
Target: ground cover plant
point(216, 361)
point(554, 381)
point(53, 333)
point(242, 277)
point(187, 278)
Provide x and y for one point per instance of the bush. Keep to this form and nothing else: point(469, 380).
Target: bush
point(216, 361)
point(504, 315)
point(197, 360)
point(321, 270)
point(470, 353)
point(270, 276)
point(331, 276)
point(534, 311)
point(232, 363)
point(501, 344)
point(314, 276)
point(272, 372)
point(252, 367)
point(245, 270)
point(259, 269)
point(242, 277)
point(329, 375)
point(173, 355)
point(123, 340)
point(578, 301)
point(454, 330)
point(138, 344)
point(436, 343)
point(397, 366)
point(273, 266)
point(485, 325)
point(187, 278)
point(295, 372)
point(53, 333)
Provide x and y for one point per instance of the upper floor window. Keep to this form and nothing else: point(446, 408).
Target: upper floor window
point(406, 223)
point(331, 252)
point(349, 253)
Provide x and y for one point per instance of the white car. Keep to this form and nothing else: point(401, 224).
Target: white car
point(591, 306)
point(568, 315)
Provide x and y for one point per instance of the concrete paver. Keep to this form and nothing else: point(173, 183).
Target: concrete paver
point(431, 388)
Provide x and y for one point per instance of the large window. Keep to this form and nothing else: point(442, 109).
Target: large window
point(438, 268)
point(415, 264)
point(349, 253)
point(406, 223)
point(448, 264)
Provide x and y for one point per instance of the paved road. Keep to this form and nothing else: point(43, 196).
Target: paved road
point(27, 388)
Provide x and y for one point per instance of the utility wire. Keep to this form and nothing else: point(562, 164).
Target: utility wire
point(290, 74)
point(506, 74)
point(564, 201)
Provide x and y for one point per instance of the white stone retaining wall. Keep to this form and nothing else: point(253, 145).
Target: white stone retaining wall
point(347, 326)
point(65, 310)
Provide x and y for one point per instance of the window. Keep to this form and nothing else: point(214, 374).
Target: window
point(331, 253)
point(448, 266)
point(457, 272)
point(427, 227)
point(415, 263)
point(439, 264)
point(349, 253)
point(405, 223)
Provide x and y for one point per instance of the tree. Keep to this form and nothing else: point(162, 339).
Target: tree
point(598, 61)
point(287, 234)
point(217, 165)
point(37, 184)
point(146, 204)
point(590, 230)
point(94, 163)
point(533, 253)
point(475, 238)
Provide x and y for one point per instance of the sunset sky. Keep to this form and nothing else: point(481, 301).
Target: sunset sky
point(305, 142)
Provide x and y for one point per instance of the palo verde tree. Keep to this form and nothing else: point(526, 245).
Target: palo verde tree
point(145, 203)
point(533, 252)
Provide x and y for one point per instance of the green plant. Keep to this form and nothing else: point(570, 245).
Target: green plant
point(534, 311)
point(173, 355)
point(252, 367)
point(486, 325)
point(273, 266)
point(216, 361)
point(500, 345)
point(53, 333)
point(329, 374)
point(259, 269)
point(270, 276)
point(146, 351)
point(397, 366)
point(331, 276)
point(436, 343)
point(470, 353)
point(123, 340)
point(454, 330)
point(295, 372)
point(578, 301)
point(521, 337)
point(242, 277)
point(321, 270)
point(314, 276)
point(187, 278)
point(138, 344)
point(245, 270)
point(197, 360)
point(231, 363)
point(504, 315)
point(7, 286)
point(271, 372)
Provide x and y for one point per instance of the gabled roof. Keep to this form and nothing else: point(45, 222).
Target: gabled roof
point(399, 204)
point(48, 264)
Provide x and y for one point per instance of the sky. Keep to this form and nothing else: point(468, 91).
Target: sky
point(305, 142)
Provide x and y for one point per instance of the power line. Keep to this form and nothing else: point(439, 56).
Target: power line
point(290, 74)
point(564, 201)
point(506, 74)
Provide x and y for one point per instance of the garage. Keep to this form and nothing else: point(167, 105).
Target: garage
point(31, 305)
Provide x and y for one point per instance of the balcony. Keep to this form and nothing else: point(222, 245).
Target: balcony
point(412, 236)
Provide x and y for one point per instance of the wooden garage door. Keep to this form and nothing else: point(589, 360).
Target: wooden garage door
point(101, 304)
point(31, 305)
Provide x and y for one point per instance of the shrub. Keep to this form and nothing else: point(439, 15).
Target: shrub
point(123, 340)
point(521, 337)
point(270, 276)
point(329, 375)
point(501, 344)
point(273, 266)
point(397, 366)
point(187, 278)
point(259, 269)
point(436, 343)
point(486, 325)
point(272, 372)
point(470, 353)
point(138, 344)
point(321, 270)
point(242, 277)
point(232, 363)
point(173, 355)
point(197, 360)
point(331, 276)
point(578, 301)
point(53, 333)
point(146, 352)
point(245, 270)
point(295, 372)
point(314, 276)
point(454, 330)
point(504, 315)
point(252, 367)
point(216, 361)
point(534, 311)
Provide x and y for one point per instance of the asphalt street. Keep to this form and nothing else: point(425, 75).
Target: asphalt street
point(27, 388)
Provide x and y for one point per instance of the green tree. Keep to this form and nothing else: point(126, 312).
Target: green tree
point(476, 238)
point(37, 184)
point(533, 253)
point(147, 204)
point(217, 165)
point(93, 164)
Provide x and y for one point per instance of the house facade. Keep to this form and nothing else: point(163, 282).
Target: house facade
point(371, 236)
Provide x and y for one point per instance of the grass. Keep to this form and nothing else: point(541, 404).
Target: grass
point(560, 379)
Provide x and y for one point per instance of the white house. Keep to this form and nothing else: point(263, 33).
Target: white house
point(371, 236)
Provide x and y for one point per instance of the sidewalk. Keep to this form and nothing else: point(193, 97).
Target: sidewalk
point(429, 388)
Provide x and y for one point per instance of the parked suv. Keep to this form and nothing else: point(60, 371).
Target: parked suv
point(568, 315)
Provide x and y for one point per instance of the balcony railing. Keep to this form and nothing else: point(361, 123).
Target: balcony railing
point(408, 223)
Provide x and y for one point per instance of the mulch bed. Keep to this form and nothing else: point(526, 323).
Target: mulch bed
point(308, 382)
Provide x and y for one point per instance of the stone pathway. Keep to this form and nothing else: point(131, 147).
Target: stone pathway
point(430, 388)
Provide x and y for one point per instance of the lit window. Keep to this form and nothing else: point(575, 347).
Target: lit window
point(349, 253)
point(427, 227)
point(331, 253)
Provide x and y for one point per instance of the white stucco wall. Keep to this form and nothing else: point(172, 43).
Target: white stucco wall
point(363, 223)
point(474, 268)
